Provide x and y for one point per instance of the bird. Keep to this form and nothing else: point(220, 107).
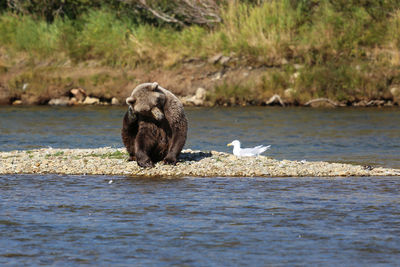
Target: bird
point(247, 152)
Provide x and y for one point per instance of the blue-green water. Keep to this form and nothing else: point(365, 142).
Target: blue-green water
point(363, 136)
point(72, 220)
point(88, 220)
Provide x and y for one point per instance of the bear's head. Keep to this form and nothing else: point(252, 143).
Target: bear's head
point(148, 100)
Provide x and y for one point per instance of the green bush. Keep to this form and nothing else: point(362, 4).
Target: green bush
point(346, 49)
point(26, 34)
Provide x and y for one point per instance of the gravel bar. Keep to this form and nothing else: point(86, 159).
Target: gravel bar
point(113, 161)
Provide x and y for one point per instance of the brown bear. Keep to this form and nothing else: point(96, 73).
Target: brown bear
point(154, 127)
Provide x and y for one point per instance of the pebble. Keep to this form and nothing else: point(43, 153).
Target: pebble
point(191, 163)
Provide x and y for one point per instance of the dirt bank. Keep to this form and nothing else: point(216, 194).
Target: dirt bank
point(223, 81)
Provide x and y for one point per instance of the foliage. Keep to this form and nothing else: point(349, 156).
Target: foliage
point(347, 49)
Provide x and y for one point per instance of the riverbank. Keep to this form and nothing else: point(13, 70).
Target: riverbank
point(271, 53)
point(196, 83)
point(111, 161)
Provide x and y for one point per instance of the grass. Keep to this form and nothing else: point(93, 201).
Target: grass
point(346, 51)
point(57, 154)
point(111, 155)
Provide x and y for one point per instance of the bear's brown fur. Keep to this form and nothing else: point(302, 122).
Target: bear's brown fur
point(154, 127)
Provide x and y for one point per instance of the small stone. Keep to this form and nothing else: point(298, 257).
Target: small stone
point(215, 59)
point(224, 60)
point(201, 94)
point(62, 101)
point(361, 103)
point(375, 103)
point(91, 101)
point(191, 163)
point(17, 102)
point(78, 93)
point(114, 101)
point(395, 91)
point(217, 76)
point(73, 101)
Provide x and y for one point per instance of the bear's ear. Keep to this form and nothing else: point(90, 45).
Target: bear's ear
point(154, 86)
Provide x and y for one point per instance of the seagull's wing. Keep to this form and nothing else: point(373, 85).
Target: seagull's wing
point(263, 149)
point(253, 151)
point(249, 152)
point(246, 152)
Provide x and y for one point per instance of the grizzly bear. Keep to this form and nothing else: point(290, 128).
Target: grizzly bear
point(155, 127)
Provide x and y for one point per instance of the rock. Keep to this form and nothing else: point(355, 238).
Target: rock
point(388, 104)
point(79, 94)
point(62, 101)
point(73, 101)
point(361, 103)
point(217, 76)
point(224, 60)
point(91, 101)
point(375, 103)
point(114, 101)
point(275, 100)
point(195, 100)
point(395, 91)
point(17, 102)
point(219, 58)
point(201, 94)
point(215, 59)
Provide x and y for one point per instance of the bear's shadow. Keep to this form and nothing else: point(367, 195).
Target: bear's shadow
point(193, 156)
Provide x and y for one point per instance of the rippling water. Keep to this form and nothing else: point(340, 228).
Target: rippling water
point(67, 220)
point(127, 221)
point(363, 136)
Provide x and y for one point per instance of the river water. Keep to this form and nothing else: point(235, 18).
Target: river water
point(103, 220)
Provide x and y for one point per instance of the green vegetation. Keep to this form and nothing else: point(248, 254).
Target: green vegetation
point(344, 50)
point(111, 155)
point(57, 154)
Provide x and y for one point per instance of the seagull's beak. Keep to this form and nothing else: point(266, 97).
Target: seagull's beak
point(230, 144)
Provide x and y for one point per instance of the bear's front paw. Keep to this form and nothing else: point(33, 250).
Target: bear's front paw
point(170, 160)
point(145, 163)
point(131, 158)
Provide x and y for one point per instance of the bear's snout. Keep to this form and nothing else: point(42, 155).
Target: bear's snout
point(130, 101)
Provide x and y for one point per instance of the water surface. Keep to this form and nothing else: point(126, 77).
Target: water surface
point(74, 220)
point(126, 221)
point(362, 136)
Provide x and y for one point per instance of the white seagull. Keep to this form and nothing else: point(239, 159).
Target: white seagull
point(247, 152)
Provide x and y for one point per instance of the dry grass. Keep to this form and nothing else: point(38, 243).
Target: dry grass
point(346, 52)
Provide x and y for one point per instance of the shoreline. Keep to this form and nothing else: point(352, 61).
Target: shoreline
point(113, 161)
point(200, 84)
